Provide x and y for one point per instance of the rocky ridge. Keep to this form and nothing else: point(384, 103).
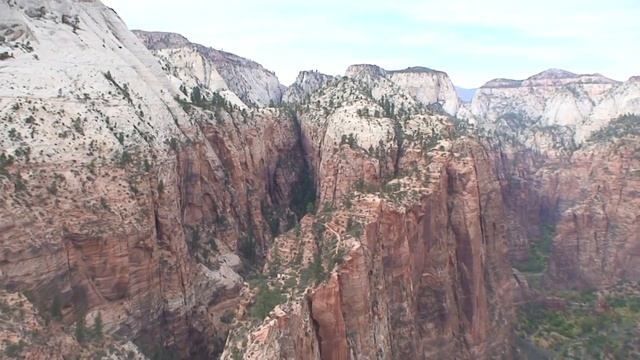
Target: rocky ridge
point(549, 184)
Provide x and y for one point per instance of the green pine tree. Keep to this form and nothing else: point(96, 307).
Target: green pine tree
point(196, 95)
point(97, 327)
point(81, 330)
point(56, 308)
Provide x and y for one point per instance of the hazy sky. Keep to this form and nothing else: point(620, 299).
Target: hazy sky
point(474, 41)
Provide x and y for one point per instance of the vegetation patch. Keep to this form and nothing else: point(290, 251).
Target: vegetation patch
point(625, 125)
point(266, 299)
point(539, 251)
point(586, 325)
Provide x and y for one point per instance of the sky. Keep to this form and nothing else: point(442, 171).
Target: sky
point(473, 41)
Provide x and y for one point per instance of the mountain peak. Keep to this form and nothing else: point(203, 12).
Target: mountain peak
point(416, 69)
point(361, 69)
point(156, 40)
point(553, 74)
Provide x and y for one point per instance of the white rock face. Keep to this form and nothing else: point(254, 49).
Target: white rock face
point(238, 79)
point(556, 97)
point(104, 86)
point(427, 86)
point(306, 83)
point(622, 99)
point(347, 113)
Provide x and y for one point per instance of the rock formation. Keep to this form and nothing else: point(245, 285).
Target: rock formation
point(408, 258)
point(554, 173)
point(584, 103)
point(597, 241)
point(184, 202)
point(119, 199)
point(307, 82)
point(427, 86)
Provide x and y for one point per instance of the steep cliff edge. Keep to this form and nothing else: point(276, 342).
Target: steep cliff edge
point(597, 241)
point(553, 168)
point(118, 199)
point(403, 257)
point(568, 179)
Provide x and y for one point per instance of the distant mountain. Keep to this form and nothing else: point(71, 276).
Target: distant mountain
point(582, 102)
point(466, 95)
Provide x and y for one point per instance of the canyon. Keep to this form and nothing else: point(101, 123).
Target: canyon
point(165, 199)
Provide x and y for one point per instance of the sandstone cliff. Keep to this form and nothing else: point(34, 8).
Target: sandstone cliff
point(541, 131)
point(119, 199)
point(403, 257)
point(597, 238)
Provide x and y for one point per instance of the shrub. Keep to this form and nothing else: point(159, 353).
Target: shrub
point(314, 273)
point(265, 301)
point(227, 317)
point(624, 125)
point(247, 247)
point(124, 159)
point(14, 135)
point(120, 137)
point(77, 126)
point(19, 183)
point(350, 140)
point(13, 350)
point(5, 161)
point(354, 228)
point(271, 217)
point(5, 55)
point(539, 251)
point(173, 144)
